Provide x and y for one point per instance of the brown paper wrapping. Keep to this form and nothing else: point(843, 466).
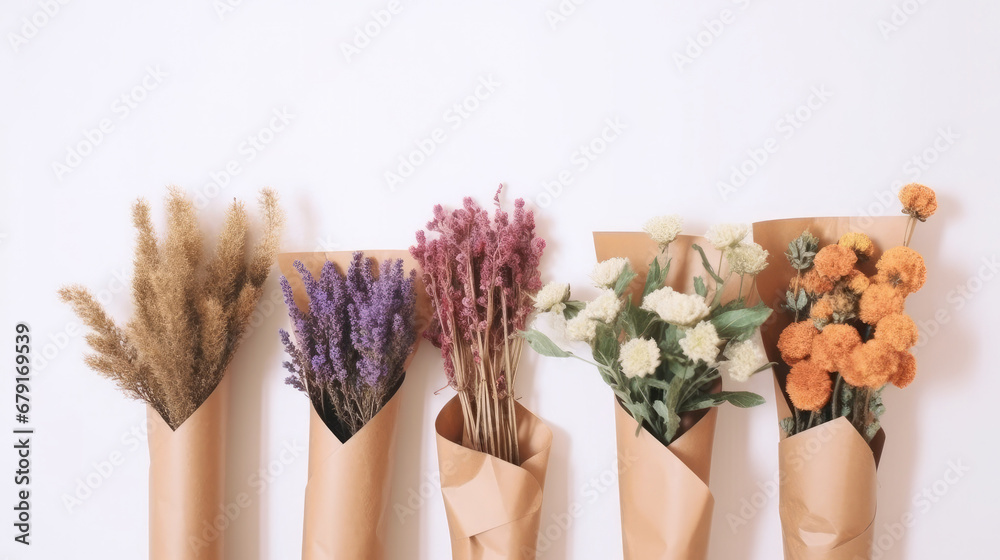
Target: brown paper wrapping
point(666, 505)
point(187, 470)
point(827, 474)
point(494, 507)
point(348, 487)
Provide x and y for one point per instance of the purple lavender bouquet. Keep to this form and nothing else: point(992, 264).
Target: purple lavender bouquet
point(353, 341)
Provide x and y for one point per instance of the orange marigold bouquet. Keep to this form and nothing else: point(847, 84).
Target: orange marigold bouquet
point(844, 337)
point(851, 337)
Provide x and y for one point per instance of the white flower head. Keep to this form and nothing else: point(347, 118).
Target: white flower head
point(552, 297)
point(678, 308)
point(605, 307)
point(746, 258)
point(664, 229)
point(701, 343)
point(606, 273)
point(639, 357)
point(744, 359)
point(582, 328)
point(724, 236)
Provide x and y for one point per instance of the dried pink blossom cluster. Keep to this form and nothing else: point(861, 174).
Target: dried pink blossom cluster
point(480, 274)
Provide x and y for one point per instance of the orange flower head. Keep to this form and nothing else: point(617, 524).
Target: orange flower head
point(844, 303)
point(879, 301)
point(860, 243)
point(902, 267)
point(898, 330)
point(815, 283)
point(832, 348)
point(808, 386)
point(795, 342)
point(907, 370)
point(918, 201)
point(822, 309)
point(857, 282)
point(874, 363)
point(834, 261)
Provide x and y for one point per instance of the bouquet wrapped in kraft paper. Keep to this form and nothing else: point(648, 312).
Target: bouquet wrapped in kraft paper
point(480, 273)
point(356, 318)
point(841, 336)
point(174, 353)
point(673, 313)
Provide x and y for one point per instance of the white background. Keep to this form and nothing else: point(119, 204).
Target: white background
point(923, 87)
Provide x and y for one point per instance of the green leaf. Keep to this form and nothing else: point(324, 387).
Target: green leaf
point(606, 346)
point(740, 324)
point(573, 308)
point(741, 399)
point(788, 426)
point(543, 344)
point(699, 286)
point(655, 277)
point(802, 250)
point(624, 279)
point(766, 366)
point(705, 263)
point(670, 419)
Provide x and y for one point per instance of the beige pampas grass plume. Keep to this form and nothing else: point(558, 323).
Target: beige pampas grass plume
point(189, 313)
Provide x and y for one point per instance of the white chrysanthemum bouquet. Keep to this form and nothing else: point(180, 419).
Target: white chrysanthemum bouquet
point(664, 356)
point(662, 341)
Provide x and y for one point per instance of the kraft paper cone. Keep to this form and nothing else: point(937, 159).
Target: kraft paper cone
point(348, 487)
point(187, 470)
point(827, 473)
point(494, 507)
point(666, 505)
point(828, 493)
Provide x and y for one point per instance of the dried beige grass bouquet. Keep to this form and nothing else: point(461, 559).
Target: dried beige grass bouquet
point(189, 314)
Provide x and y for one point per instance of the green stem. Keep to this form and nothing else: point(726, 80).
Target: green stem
point(835, 398)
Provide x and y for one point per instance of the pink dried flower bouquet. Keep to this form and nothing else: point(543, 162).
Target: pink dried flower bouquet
point(481, 274)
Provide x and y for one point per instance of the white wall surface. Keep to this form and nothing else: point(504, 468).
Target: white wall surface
point(909, 95)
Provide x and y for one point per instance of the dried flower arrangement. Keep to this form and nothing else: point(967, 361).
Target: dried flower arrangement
point(480, 275)
point(662, 357)
point(189, 315)
point(851, 337)
point(353, 339)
